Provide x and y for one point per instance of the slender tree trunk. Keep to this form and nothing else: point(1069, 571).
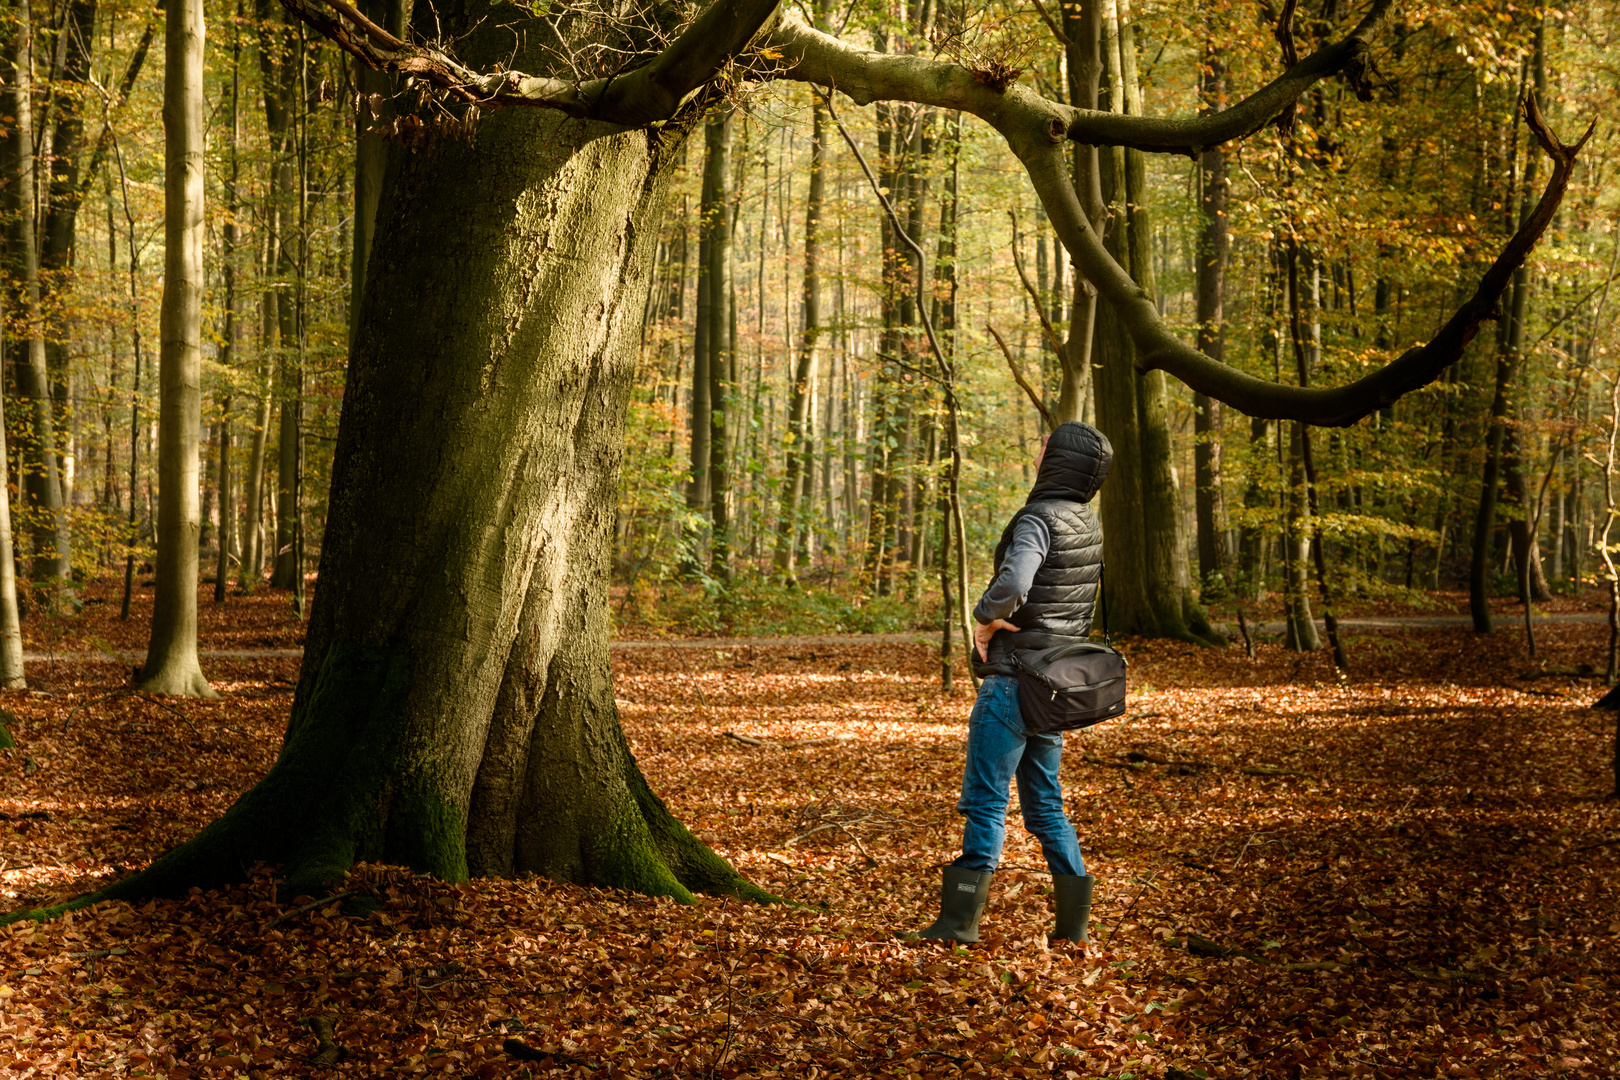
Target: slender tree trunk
point(1301, 627)
point(232, 329)
point(47, 519)
point(799, 459)
point(1214, 251)
point(1507, 363)
point(279, 65)
point(252, 569)
point(371, 150)
point(722, 340)
point(171, 658)
point(11, 650)
point(76, 40)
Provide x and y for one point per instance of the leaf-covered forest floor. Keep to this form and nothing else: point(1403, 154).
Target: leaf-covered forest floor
point(1412, 875)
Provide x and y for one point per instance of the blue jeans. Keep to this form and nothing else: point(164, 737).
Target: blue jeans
point(997, 751)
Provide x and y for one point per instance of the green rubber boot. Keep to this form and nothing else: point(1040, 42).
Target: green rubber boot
point(962, 897)
point(1073, 895)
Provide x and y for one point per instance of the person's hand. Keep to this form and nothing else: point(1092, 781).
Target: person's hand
point(983, 632)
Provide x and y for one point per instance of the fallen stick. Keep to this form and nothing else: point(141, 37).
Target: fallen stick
point(295, 912)
point(823, 828)
point(1203, 946)
point(524, 1052)
point(1133, 766)
point(1272, 770)
point(746, 740)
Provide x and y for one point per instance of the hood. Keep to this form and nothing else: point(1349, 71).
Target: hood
point(1075, 465)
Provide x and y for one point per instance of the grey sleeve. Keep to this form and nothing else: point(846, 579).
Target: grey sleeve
point(1012, 583)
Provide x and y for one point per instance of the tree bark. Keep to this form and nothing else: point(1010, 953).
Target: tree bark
point(231, 239)
point(171, 659)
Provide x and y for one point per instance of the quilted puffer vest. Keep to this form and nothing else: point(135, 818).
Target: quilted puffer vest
point(1063, 597)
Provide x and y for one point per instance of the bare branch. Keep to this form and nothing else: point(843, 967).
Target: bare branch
point(1052, 338)
point(1057, 31)
point(1023, 383)
point(646, 95)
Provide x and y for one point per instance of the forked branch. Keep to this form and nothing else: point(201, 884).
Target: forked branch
point(646, 95)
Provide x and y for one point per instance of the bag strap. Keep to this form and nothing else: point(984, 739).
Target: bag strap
point(1102, 587)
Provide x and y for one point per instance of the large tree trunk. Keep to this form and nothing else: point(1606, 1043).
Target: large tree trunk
point(1149, 581)
point(171, 658)
point(455, 712)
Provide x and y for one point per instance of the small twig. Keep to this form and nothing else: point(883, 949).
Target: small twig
point(1023, 383)
point(1057, 31)
point(83, 705)
point(295, 912)
point(1127, 912)
point(524, 1052)
point(1245, 850)
point(823, 828)
point(1040, 305)
point(1599, 844)
point(1272, 770)
point(1380, 954)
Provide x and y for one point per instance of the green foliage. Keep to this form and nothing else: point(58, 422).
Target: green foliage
point(758, 606)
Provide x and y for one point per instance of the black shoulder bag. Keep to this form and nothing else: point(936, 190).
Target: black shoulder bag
point(1074, 685)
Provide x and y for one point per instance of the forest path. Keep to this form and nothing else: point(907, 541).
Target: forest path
point(1367, 622)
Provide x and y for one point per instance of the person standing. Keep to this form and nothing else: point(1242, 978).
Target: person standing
point(1048, 573)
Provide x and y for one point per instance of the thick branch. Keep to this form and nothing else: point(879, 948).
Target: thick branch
point(866, 76)
point(646, 95)
point(1158, 348)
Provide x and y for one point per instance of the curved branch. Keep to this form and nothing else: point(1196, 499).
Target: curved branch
point(1158, 348)
point(646, 95)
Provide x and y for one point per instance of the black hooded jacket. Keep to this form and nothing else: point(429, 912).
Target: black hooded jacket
point(1062, 598)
